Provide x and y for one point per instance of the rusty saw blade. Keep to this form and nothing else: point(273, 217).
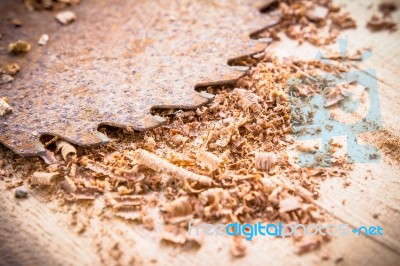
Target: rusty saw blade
point(116, 62)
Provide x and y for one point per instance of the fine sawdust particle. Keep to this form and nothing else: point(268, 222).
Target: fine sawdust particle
point(19, 47)
point(238, 247)
point(43, 39)
point(16, 22)
point(5, 108)
point(387, 141)
point(387, 8)
point(384, 21)
point(5, 78)
point(13, 69)
point(66, 17)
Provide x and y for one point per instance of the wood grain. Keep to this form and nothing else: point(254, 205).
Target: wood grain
point(32, 234)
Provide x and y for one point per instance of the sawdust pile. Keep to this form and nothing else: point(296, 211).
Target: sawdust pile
point(317, 22)
point(384, 20)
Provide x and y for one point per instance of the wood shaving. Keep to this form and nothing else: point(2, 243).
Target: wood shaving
point(5, 108)
point(43, 39)
point(384, 21)
point(377, 23)
point(289, 204)
point(65, 148)
point(208, 160)
point(308, 243)
point(13, 68)
point(150, 144)
point(387, 8)
point(42, 178)
point(155, 163)
point(19, 47)
point(68, 185)
point(17, 22)
point(48, 157)
point(317, 13)
point(148, 222)
point(265, 161)
point(179, 207)
point(4, 79)
point(238, 247)
point(133, 216)
point(66, 17)
point(174, 234)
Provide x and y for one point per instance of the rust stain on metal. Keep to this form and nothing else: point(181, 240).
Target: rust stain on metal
point(116, 62)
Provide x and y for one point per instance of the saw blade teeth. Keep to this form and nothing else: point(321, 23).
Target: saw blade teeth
point(148, 121)
point(222, 74)
point(85, 138)
point(130, 122)
point(266, 22)
point(190, 100)
point(253, 47)
point(24, 143)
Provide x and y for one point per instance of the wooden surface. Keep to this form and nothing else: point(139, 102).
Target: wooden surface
point(33, 231)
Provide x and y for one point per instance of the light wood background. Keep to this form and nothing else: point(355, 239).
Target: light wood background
point(35, 231)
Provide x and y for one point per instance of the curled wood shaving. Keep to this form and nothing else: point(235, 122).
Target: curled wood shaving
point(133, 216)
point(157, 164)
point(181, 160)
point(150, 144)
point(68, 185)
point(174, 234)
point(124, 200)
point(113, 172)
point(65, 148)
point(43, 178)
point(208, 160)
point(185, 114)
point(304, 193)
point(248, 100)
point(179, 207)
point(213, 196)
point(48, 157)
point(265, 161)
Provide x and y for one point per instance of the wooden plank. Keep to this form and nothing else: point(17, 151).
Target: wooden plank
point(42, 232)
point(30, 235)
